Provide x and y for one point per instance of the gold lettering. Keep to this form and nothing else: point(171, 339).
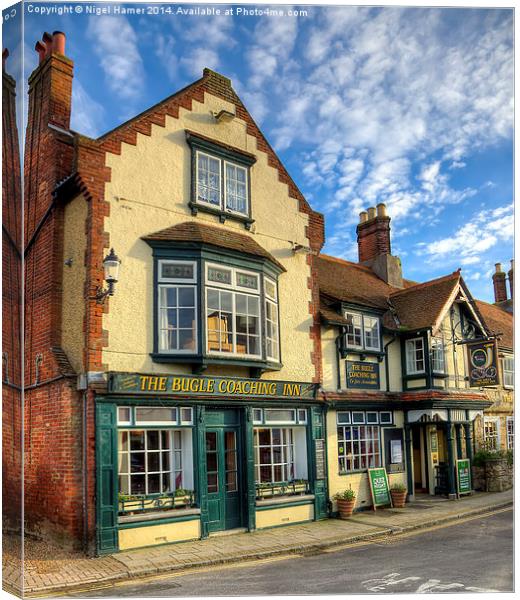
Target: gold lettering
point(272, 389)
point(222, 386)
point(211, 385)
point(144, 379)
point(162, 384)
point(176, 384)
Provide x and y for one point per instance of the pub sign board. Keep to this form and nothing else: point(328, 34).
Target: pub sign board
point(362, 375)
point(463, 476)
point(180, 385)
point(482, 364)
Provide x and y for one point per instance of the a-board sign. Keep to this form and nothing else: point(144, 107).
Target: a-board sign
point(463, 476)
point(379, 487)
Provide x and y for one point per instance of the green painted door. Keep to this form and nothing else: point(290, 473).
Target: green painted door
point(223, 478)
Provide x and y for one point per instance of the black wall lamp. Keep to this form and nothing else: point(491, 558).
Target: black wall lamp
point(111, 265)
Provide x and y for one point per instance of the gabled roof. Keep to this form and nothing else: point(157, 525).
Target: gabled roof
point(350, 282)
point(220, 237)
point(499, 323)
point(416, 306)
point(420, 306)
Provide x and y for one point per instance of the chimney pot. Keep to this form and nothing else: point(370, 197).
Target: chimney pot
point(58, 42)
point(40, 48)
point(499, 284)
point(363, 216)
point(371, 213)
point(47, 40)
point(381, 209)
point(498, 267)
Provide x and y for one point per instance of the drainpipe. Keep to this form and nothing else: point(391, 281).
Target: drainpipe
point(454, 349)
point(338, 356)
point(84, 468)
point(387, 368)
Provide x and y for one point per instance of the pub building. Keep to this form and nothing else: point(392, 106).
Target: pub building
point(194, 364)
point(396, 378)
point(176, 376)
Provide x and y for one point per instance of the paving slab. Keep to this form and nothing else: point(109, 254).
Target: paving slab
point(43, 575)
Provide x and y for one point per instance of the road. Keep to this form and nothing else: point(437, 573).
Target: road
point(473, 556)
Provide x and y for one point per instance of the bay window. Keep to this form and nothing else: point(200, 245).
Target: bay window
point(271, 321)
point(415, 356)
point(362, 332)
point(177, 306)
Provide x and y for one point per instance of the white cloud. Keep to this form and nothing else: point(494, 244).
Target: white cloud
point(198, 59)
point(165, 51)
point(87, 116)
point(115, 43)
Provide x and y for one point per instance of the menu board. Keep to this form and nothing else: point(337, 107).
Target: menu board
point(379, 487)
point(319, 446)
point(463, 476)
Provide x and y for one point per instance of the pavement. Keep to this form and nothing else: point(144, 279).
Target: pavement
point(47, 571)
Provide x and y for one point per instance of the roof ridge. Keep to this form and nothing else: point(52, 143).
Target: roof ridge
point(414, 288)
point(349, 263)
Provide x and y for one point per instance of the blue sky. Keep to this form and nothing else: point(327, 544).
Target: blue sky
point(408, 106)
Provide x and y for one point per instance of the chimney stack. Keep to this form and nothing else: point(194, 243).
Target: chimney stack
point(511, 276)
point(374, 248)
point(499, 284)
point(373, 233)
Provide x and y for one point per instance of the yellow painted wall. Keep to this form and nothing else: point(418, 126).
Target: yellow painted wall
point(149, 190)
point(74, 245)
point(330, 369)
point(356, 481)
point(159, 534)
point(284, 516)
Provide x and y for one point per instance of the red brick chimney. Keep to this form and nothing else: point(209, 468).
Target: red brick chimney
point(499, 284)
point(511, 276)
point(373, 233)
point(47, 160)
point(374, 249)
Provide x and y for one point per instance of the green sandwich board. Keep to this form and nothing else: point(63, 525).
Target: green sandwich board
point(379, 487)
point(463, 476)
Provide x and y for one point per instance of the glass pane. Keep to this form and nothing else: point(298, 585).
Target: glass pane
point(230, 440)
point(123, 414)
point(265, 474)
point(186, 339)
point(278, 476)
point(213, 296)
point(165, 439)
point(212, 461)
point(212, 482)
point(154, 484)
point(253, 305)
point(123, 484)
point(241, 344)
point(241, 324)
point(285, 415)
point(264, 437)
point(165, 461)
point(254, 345)
point(177, 271)
point(277, 435)
point(226, 299)
point(137, 484)
point(137, 462)
point(231, 481)
point(265, 455)
point(153, 440)
point(241, 303)
point(153, 462)
point(168, 296)
point(177, 460)
point(123, 440)
point(154, 415)
point(123, 463)
point(186, 317)
point(219, 275)
point(166, 484)
point(137, 440)
point(211, 441)
point(186, 296)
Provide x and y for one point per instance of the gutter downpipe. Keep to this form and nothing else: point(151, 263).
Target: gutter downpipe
point(84, 468)
point(387, 368)
point(338, 356)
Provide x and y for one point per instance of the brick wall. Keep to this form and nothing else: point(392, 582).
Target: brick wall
point(11, 306)
point(373, 238)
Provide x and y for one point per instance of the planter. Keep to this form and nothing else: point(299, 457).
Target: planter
point(345, 508)
point(398, 498)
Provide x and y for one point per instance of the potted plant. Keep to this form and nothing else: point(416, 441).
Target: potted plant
point(398, 492)
point(345, 501)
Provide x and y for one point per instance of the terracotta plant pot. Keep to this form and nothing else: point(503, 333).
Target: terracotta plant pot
point(345, 508)
point(398, 498)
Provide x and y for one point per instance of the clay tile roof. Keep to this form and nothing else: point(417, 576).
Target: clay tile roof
point(351, 282)
point(192, 231)
point(498, 321)
point(419, 306)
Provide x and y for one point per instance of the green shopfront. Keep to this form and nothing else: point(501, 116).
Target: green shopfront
point(184, 457)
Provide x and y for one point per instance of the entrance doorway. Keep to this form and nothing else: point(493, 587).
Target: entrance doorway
point(223, 459)
point(420, 464)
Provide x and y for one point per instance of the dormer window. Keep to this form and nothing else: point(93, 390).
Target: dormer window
point(220, 179)
point(362, 332)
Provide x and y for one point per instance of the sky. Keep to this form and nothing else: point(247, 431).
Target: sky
point(408, 106)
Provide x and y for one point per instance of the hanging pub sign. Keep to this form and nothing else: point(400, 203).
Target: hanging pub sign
point(172, 385)
point(362, 375)
point(482, 364)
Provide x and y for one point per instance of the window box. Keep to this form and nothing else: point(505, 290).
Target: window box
point(299, 487)
point(133, 504)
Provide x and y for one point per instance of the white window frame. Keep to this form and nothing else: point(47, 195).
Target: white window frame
point(160, 451)
point(173, 282)
point(347, 417)
point(256, 420)
point(197, 199)
point(510, 434)
point(511, 372)
point(496, 422)
point(233, 289)
point(273, 301)
point(267, 421)
point(222, 184)
point(184, 421)
point(372, 412)
point(361, 318)
point(302, 416)
point(386, 412)
point(224, 194)
point(157, 423)
point(409, 344)
point(437, 345)
point(122, 421)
